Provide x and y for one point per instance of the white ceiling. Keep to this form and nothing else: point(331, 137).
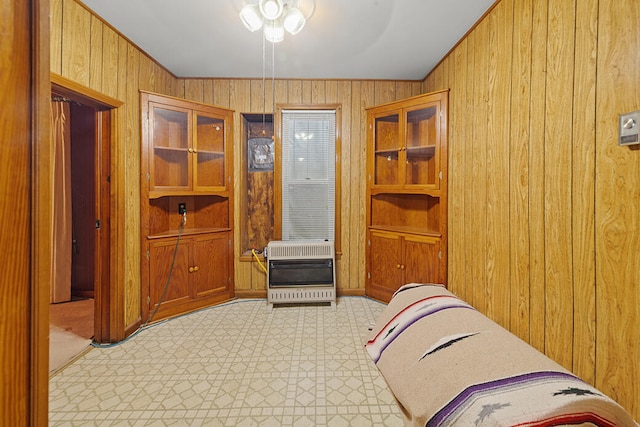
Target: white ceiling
point(344, 39)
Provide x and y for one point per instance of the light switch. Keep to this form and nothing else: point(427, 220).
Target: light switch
point(629, 127)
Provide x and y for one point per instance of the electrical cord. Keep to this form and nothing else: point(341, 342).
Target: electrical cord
point(164, 292)
point(255, 255)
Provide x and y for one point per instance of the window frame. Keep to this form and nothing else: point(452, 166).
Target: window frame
point(277, 176)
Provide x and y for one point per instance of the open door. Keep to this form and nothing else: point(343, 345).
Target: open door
point(87, 167)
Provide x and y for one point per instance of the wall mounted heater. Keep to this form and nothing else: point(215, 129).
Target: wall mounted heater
point(300, 271)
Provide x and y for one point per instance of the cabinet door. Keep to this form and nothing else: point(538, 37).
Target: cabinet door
point(386, 148)
point(209, 152)
point(169, 157)
point(210, 267)
point(385, 268)
point(421, 146)
point(421, 256)
point(160, 261)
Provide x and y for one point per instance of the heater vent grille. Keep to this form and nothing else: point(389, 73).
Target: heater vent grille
point(300, 249)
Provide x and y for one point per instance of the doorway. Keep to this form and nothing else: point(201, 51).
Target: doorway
point(81, 141)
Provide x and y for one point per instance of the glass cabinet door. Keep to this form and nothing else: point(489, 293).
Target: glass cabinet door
point(208, 152)
point(169, 159)
point(421, 142)
point(386, 149)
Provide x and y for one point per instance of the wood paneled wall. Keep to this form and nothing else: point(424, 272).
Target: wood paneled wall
point(245, 96)
point(544, 223)
point(90, 53)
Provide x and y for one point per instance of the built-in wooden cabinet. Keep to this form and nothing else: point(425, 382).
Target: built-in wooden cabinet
point(406, 193)
point(186, 165)
point(186, 147)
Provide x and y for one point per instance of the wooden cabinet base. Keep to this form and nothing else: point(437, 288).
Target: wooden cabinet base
point(191, 306)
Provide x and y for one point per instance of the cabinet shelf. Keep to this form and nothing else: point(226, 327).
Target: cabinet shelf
point(210, 153)
point(389, 152)
point(160, 148)
point(424, 151)
point(163, 149)
point(405, 229)
point(186, 232)
point(425, 191)
point(179, 192)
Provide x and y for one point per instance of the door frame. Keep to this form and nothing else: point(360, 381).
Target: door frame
point(109, 281)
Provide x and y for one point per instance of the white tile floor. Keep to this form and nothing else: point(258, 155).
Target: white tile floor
point(235, 364)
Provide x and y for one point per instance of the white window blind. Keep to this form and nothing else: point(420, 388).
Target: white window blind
point(308, 174)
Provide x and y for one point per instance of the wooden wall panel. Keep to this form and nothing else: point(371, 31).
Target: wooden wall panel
point(76, 46)
point(536, 177)
point(363, 97)
point(519, 170)
point(583, 184)
point(55, 34)
point(465, 62)
point(349, 278)
point(221, 93)
point(194, 90)
point(110, 49)
point(131, 174)
point(557, 184)
point(353, 197)
point(95, 56)
point(497, 209)
point(240, 95)
point(147, 74)
point(478, 242)
point(617, 196)
point(456, 175)
point(549, 201)
point(318, 92)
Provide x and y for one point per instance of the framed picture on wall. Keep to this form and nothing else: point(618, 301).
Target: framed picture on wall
point(261, 154)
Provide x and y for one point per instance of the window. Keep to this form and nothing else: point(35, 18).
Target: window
point(309, 165)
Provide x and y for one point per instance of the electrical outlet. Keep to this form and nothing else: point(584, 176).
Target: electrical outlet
point(182, 208)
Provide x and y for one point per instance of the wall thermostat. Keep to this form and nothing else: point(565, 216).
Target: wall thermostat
point(629, 126)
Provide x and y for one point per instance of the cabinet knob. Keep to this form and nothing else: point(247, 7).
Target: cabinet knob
point(191, 270)
point(196, 268)
point(190, 150)
point(398, 266)
point(402, 267)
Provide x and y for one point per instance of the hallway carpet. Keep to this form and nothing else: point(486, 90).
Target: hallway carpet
point(236, 364)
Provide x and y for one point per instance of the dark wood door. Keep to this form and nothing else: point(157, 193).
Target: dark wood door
point(211, 261)
point(162, 253)
point(83, 199)
point(421, 259)
point(385, 265)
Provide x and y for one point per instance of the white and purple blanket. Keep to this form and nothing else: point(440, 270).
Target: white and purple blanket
point(449, 365)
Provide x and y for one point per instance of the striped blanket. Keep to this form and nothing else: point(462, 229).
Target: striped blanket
point(449, 365)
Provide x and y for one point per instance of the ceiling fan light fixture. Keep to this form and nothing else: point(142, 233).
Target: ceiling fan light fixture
point(294, 20)
point(251, 17)
point(276, 16)
point(271, 9)
point(274, 31)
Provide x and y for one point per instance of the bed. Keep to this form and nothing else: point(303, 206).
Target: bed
point(449, 365)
